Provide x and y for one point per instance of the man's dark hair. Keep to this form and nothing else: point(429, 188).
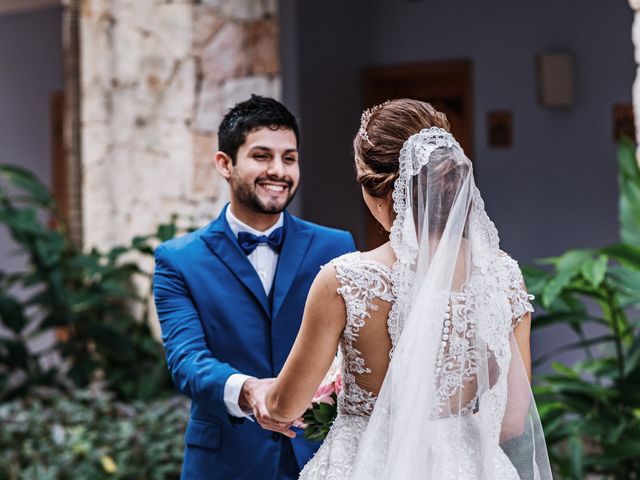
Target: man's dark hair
point(247, 116)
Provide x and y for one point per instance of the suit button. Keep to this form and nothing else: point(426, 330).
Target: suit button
point(275, 436)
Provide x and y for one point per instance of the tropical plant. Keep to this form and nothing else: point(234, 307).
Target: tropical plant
point(89, 435)
point(83, 300)
point(591, 410)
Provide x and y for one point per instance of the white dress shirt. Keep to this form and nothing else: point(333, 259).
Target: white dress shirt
point(265, 261)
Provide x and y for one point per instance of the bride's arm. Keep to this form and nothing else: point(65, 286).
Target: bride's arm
point(514, 420)
point(522, 334)
point(313, 352)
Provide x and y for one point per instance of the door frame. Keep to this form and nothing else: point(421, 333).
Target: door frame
point(430, 72)
point(427, 71)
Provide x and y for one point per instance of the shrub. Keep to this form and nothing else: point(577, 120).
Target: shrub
point(591, 410)
point(89, 435)
point(86, 298)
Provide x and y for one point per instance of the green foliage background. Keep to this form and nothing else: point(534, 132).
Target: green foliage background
point(90, 436)
point(51, 426)
point(591, 410)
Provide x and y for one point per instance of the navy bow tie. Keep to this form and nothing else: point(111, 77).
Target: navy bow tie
point(249, 242)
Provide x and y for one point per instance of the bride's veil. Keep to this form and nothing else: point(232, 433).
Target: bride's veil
point(456, 402)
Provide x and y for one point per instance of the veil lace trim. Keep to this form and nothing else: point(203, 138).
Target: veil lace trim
point(456, 365)
point(414, 155)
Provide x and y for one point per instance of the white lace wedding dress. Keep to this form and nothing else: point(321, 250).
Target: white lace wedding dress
point(366, 286)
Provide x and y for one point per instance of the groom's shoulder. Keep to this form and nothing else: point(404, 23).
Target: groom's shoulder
point(182, 243)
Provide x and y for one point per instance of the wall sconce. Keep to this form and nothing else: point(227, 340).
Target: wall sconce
point(556, 80)
point(500, 129)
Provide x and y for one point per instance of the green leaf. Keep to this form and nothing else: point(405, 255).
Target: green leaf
point(601, 368)
point(535, 279)
point(627, 255)
point(116, 252)
point(594, 270)
point(614, 434)
point(21, 222)
point(571, 318)
point(572, 260)
point(626, 283)
point(553, 288)
point(633, 356)
point(545, 410)
point(167, 231)
point(627, 161)
point(630, 225)
point(622, 450)
point(26, 181)
point(12, 314)
point(141, 244)
point(603, 339)
point(629, 184)
point(567, 371)
point(576, 456)
point(576, 388)
point(111, 342)
point(17, 354)
point(324, 413)
point(567, 302)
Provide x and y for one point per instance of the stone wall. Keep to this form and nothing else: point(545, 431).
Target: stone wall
point(156, 78)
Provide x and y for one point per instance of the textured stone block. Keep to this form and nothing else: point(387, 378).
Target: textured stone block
point(206, 179)
point(243, 9)
point(157, 77)
point(207, 23)
point(215, 99)
point(224, 56)
point(174, 27)
point(261, 45)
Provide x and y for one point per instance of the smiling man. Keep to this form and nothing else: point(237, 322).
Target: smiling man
point(230, 299)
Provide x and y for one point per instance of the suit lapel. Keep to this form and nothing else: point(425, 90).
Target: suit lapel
point(296, 242)
point(223, 243)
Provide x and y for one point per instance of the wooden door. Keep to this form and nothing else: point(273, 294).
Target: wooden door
point(447, 85)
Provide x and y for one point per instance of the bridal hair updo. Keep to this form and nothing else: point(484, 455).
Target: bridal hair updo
point(383, 130)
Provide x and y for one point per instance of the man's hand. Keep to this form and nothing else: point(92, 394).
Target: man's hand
point(252, 398)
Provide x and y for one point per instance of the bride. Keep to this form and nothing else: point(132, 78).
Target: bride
point(433, 327)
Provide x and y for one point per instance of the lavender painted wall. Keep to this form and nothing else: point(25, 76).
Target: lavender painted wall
point(30, 70)
point(555, 189)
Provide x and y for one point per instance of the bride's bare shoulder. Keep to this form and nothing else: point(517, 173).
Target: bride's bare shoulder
point(325, 285)
point(324, 304)
point(383, 254)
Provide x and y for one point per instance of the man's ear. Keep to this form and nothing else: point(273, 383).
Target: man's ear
point(223, 164)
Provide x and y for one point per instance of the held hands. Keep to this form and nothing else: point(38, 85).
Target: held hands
point(252, 398)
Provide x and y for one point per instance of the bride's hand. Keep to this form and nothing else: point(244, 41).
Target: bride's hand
point(252, 397)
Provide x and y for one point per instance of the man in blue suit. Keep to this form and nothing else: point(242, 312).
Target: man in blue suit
point(230, 299)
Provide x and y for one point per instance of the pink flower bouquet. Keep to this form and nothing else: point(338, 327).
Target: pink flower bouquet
point(323, 409)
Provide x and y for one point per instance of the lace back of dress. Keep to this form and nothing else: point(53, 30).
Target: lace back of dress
point(366, 341)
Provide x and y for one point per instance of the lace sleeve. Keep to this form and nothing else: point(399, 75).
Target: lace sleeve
point(519, 298)
point(360, 283)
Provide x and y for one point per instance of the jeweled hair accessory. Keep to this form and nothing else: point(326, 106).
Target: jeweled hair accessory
point(364, 121)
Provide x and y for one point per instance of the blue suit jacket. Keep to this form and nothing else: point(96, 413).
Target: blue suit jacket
point(217, 320)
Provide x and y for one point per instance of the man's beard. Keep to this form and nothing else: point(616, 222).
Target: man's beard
point(246, 194)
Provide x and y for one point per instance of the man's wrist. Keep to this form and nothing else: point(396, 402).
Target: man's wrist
point(232, 390)
point(244, 400)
